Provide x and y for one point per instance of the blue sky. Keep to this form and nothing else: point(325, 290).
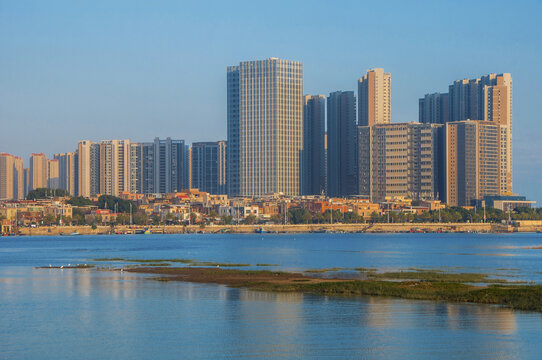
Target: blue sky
point(72, 70)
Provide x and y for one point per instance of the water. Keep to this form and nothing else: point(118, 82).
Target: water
point(66, 314)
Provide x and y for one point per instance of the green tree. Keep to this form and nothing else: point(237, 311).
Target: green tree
point(250, 220)
point(114, 203)
point(49, 219)
point(44, 193)
point(227, 219)
point(193, 218)
point(79, 201)
point(299, 216)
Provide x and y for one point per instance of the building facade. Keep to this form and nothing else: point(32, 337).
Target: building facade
point(170, 165)
point(88, 168)
point(314, 171)
point(53, 174)
point(472, 161)
point(67, 172)
point(11, 177)
point(374, 98)
point(400, 160)
point(114, 167)
point(209, 166)
point(265, 127)
point(38, 171)
point(341, 144)
point(434, 109)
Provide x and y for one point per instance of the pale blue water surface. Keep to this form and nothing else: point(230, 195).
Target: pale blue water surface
point(89, 314)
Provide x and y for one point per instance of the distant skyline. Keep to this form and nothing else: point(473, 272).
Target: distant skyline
point(136, 70)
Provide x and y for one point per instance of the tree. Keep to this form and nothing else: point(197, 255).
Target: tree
point(300, 216)
point(79, 201)
point(277, 219)
point(114, 203)
point(250, 220)
point(49, 219)
point(193, 218)
point(44, 193)
point(227, 219)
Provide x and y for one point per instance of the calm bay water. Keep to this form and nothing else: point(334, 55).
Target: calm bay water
point(66, 314)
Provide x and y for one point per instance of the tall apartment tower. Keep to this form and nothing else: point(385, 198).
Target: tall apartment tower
point(400, 159)
point(114, 167)
point(472, 161)
point(487, 98)
point(53, 174)
point(88, 172)
point(170, 165)
point(314, 117)
point(341, 144)
point(434, 108)
point(67, 172)
point(142, 168)
point(11, 177)
point(374, 98)
point(265, 127)
point(209, 166)
point(38, 171)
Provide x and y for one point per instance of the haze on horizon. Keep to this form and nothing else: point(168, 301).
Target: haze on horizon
point(137, 70)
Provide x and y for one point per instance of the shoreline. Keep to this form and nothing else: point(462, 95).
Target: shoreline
point(522, 227)
point(448, 287)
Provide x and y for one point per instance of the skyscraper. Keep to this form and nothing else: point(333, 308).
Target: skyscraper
point(209, 166)
point(53, 175)
point(342, 144)
point(170, 165)
point(265, 123)
point(401, 159)
point(434, 109)
point(142, 168)
point(114, 167)
point(38, 171)
point(11, 177)
point(374, 98)
point(472, 161)
point(487, 98)
point(314, 115)
point(88, 164)
point(67, 172)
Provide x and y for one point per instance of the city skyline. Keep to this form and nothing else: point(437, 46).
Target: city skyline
point(91, 101)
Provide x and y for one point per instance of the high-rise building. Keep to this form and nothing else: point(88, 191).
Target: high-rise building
point(400, 159)
point(265, 127)
point(209, 166)
point(487, 98)
point(314, 117)
point(53, 174)
point(341, 144)
point(11, 177)
point(434, 109)
point(142, 168)
point(374, 98)
point(67, 172)
point(472, 161)
point(114, 167)
point(88, 164)
point(170, 165)
point(38, 171)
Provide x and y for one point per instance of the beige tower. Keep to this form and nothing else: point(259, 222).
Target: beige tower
point(472, 161)
point(88, 168)
point(498, 109)
point(114, 167)
point(374, 98)
point(11, 177)
point(400, 159)
point(38, 171)
point(53, 174)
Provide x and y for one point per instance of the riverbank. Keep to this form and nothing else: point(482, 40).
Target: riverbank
point(415, 285)
point(523, 226)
